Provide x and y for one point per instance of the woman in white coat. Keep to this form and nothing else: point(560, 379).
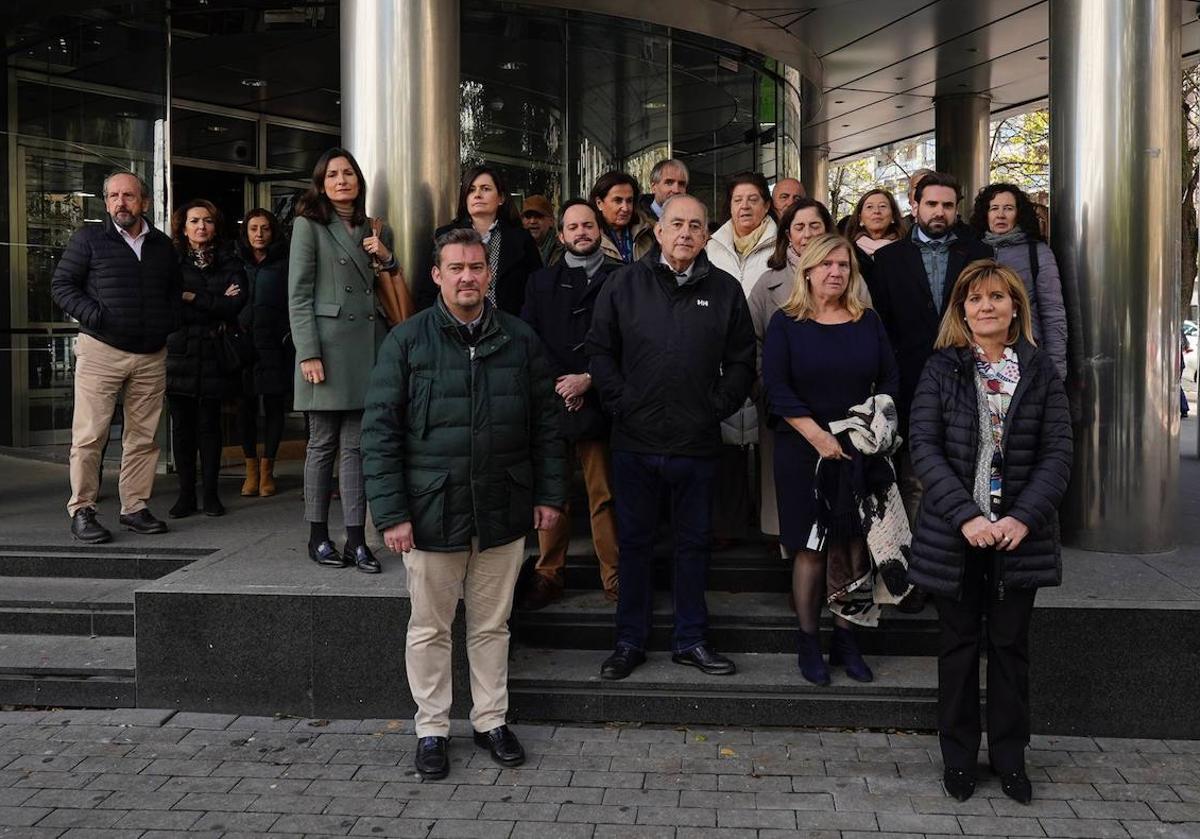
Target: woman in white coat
point(741, 247)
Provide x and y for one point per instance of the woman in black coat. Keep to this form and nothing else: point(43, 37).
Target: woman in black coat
point(264, 322)
point(203, 368)
point(483, 206)
point(990, 436)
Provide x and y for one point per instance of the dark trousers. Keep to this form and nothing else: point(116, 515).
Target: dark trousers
point(1007, 670)
point(638, 483)
point(273, 416)
point(196, 426)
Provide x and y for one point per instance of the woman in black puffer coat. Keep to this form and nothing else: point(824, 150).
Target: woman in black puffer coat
point(990, 436)
point(201, 370)
point(264, 322)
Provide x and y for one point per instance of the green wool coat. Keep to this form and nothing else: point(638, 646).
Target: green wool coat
point(333, 312)
point(462, 441)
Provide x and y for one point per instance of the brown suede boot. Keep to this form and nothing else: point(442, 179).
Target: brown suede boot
point(266, 477)
point(250, 485)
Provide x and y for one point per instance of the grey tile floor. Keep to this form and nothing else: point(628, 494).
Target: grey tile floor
point(146, 773)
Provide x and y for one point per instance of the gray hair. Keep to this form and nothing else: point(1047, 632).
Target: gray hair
point(141, 183)
point(458, 236)
point(683, 196)
point(663, 165)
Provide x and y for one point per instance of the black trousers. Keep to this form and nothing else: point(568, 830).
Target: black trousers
point(273, 417)
point(1007, 643)
point(196, 426)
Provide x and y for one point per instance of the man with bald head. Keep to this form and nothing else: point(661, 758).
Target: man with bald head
point(671, 351)
point(787, 192)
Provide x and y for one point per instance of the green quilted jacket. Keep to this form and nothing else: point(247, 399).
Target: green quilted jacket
point(462, 441)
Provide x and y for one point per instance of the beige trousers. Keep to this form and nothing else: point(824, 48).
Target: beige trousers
point(101, 373)
point(485, 581)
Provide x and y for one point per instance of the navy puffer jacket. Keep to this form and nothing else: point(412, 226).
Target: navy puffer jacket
point(944, 441)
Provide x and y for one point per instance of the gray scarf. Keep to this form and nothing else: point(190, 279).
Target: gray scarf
point(1015, 236)
point(590, 263)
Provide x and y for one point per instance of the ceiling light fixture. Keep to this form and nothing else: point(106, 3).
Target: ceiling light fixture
point(217, 129)
point(254, 82)
point(513, 65)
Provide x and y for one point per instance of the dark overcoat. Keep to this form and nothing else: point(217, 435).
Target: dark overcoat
point(198, 361)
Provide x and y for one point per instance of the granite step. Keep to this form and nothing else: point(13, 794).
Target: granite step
point(67, 671)
point(95, 561)
point(67, 606)
point(744, 622)
point(565, 685)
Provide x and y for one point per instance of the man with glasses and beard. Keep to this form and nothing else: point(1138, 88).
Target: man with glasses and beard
point(121, 281)
point(558, 305)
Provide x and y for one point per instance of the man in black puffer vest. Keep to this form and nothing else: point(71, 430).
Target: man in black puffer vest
point(672, 352)
point(462, 455)
point(121, 282)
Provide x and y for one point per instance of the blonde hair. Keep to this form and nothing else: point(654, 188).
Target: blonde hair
point(800, 305)
point(955, 332)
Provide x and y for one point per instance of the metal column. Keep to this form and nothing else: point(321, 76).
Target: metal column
point(1114, 137)
point(962, 135)
point(814, 172)
point(400, 114)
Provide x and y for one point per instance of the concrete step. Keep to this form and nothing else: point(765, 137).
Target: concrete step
point(95, 561)
point(67, 606)
point(565, 685)
point(67, 671)
point(744, 622)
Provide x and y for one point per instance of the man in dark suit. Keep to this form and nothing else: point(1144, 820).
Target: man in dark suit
point(910, 285)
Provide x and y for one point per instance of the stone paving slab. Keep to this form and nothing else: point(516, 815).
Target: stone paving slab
point(146, 773)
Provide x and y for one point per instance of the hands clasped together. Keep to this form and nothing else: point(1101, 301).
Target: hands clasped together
point(1005, 534)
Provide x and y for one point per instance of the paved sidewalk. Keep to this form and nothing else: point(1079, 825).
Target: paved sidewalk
point(146, 773)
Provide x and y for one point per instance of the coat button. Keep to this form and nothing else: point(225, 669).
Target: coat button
point(348, 288)
point(342, 261)
point(370, 317)
point(351, 317)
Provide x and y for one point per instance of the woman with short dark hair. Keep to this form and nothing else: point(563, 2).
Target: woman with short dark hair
point(990, 436)
point(337, 329)
point(267, 377)
point(1006, 219)
point(627, 236)
point(203, 362)
point(484, 206)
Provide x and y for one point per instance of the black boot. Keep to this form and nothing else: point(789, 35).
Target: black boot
point(210, 473)
point(843, 650)
point(186, 504)
point(812, 665)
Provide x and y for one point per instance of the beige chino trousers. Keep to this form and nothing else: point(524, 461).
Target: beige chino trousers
point(101, 373)
point(485, 581)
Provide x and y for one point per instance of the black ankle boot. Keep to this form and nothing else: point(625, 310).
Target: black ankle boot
point(812, 665)
point(843, 651)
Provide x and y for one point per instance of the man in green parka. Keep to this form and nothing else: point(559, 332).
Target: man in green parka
point(462, 454)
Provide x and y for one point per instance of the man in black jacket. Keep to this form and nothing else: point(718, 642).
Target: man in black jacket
point(672, 352)
point(558, 305)
point(121, 282)
point(910, 285)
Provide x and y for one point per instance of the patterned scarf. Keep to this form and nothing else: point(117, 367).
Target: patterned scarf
point(996, 382)
point(202, 257)
point(491, 241)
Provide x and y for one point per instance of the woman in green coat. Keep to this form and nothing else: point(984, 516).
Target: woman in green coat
point(337, 330)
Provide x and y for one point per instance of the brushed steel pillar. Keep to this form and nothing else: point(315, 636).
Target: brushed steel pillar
point(814, 172)
point(1115, 166)
point(400, 115)
point(962, 137)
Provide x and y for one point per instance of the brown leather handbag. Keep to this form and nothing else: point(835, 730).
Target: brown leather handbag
point(395, 300)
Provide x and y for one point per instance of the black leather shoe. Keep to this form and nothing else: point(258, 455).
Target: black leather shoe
point(213, 506)
point(432, 761)
point(502, 744)
point(85, 528)
point(363, 559)
point(621, 663)
point(144, 522)
point(326, 554)
point(1016, 785)
point(959, 784)
point(706, 661)
point(184, 507)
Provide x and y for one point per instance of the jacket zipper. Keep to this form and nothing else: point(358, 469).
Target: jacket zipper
point(471, 391)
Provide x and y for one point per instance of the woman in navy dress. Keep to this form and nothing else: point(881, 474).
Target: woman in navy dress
point(825, 351)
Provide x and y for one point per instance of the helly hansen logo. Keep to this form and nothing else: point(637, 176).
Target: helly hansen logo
point(700, 302)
